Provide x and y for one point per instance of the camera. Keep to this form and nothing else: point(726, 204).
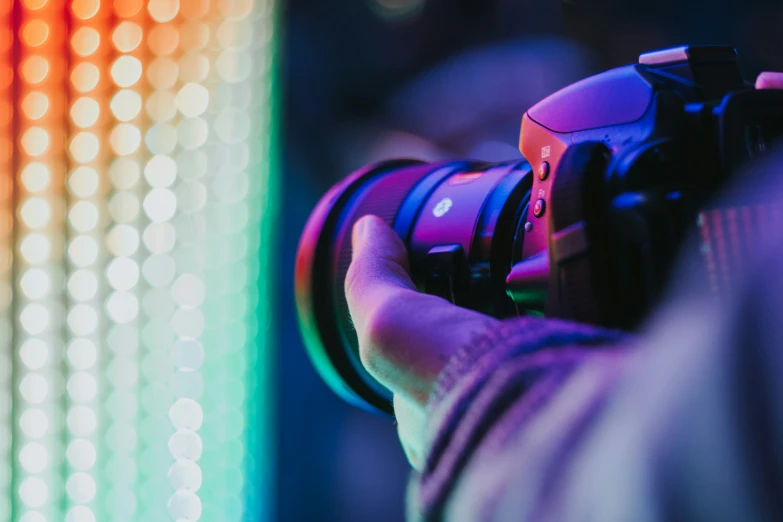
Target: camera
point(620, 169)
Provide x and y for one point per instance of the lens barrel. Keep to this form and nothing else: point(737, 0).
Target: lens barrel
point(461, 223)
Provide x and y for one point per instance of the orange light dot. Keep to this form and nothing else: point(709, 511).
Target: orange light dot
point(35, 105)
point(163, 40)
point(34, 4)
point(192, 9)
point(85, 41)
point(35, 33)
point(85, 77)
point(35, 69)
point(194, 36)
point(236, 9)
point(162, 73)
point(127, 8)
point(127, 37)
point(85, 9)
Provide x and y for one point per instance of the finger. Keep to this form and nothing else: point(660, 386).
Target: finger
point(405, 337)
point(769, 80)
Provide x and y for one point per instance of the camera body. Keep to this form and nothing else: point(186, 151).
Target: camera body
point(620, 169)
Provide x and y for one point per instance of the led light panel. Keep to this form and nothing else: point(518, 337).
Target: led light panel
point(138, 138)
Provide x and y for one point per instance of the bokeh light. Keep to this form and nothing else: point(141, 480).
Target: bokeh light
point(128, 181)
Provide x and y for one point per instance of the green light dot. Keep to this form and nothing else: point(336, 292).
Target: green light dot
point(187, 384)
point(122, 500)
point(122, 405)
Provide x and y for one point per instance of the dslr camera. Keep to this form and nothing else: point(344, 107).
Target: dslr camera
point(620, 169)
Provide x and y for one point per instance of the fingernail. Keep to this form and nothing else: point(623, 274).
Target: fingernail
point(360, 230)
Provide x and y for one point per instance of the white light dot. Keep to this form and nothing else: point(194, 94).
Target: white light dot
point(84, 147)
point(81, 454)
point(186, 414)
point(185, 505)
point(187, 354)
point(81, 421)
point(83, 182)
point(159, 270)
point(32, 516)
point(82, 354)
point(188, 290)
point(85, 112)
point(159, 238)
point(35, 212)
point(82, 319)
point(125, 139)
point(34, 492)
point(34, 353)
point(85, 76)
point(185, 474)
point(124, 173)
point(36, 176)
point(185, 444)
point(35, 283)
point(161, 171)
point(123, 273)
point(34, 318)
point(83, 216)
point(83, 285)
point(34, 388)
point(192, 133)
point(34, 423)
point(35, 141)
point(83, 251)
point(124, 206)
point(80, 514)
point(82, 387)
point(123, 307)
point(193, 100)
point(188, 322)
point(160, 204)
point(123, 240)
point(81, 488)
point(127, 36)
point(33, 457)
point(126, 105)
point(35, 105)
point(187, 384)
point(126, 71)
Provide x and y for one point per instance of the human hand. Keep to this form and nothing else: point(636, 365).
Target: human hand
point(405, 337)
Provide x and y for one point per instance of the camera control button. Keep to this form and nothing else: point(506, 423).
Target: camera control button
point(539, 208)
point(543, 171)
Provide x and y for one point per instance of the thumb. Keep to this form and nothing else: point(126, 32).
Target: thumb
point(405, 337)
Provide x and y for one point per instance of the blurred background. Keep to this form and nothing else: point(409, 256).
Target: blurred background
point(161, 158)
point(365, 80)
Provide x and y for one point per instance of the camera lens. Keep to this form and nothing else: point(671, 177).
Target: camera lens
point(461, 223)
